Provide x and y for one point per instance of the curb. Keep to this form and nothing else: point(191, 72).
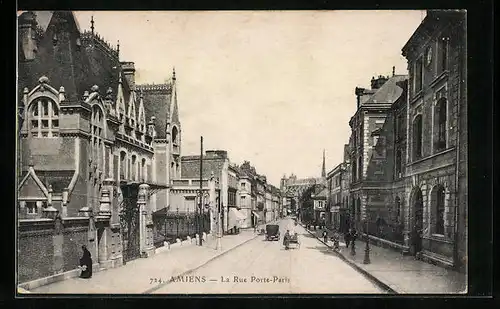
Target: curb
point(365, 273)
point(149, 291)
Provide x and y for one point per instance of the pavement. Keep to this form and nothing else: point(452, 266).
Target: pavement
point(265, 267)
point(140, 275)
point(402, 274)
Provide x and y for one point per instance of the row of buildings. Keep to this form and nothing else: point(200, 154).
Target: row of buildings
point(99, 155)
point(403, 178)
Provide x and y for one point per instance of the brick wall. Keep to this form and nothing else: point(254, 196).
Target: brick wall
point(74, 238)
point(38, 244)
point(34, 258)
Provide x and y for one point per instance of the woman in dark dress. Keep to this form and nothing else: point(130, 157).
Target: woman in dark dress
point(86, 263)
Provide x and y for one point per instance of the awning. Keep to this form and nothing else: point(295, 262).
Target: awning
point(255, 214)
point(238, 214)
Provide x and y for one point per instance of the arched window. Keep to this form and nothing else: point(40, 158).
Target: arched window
point(123, 164)
point(354, 170)
point(417, 137)
point(175, 134)
point(133, 174)
point(97, 136)
point(399, 162)
point(360, 168)
point(44, 118)
point(439, 210)
point(143, 170)
point(440, 114)
point(397, 206)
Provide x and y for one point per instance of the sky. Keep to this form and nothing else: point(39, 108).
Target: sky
point(275, 88)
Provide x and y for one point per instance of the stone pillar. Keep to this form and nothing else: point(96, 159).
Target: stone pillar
point(50, 212)
point(145, 247)
point(105, 203)
point(65, 195)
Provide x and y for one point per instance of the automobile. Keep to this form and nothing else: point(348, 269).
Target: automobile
point(272, 232)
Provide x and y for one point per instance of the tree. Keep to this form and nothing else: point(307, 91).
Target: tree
point(307, 205)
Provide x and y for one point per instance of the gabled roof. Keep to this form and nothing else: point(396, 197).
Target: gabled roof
point(389, 92)
point(157, 101)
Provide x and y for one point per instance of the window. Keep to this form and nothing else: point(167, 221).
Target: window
point(399, 162)
point(123, 160)
point(31, 207)
point(418, 75)
point(440, 114)
point(417, 137)
point(439, 228)
point(44, 120)
point(443, 55)
point(133, 168)
point(360, 168)
point(96, 137)
point(354, 170)
point(397, 205)
point(379, 146)
point(175, 135)
point(143, 170)
point(243, 185)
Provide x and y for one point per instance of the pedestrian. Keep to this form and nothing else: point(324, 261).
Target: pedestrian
point(325, 236)
point(86, 263)
point(336, 245)
point(347, 238)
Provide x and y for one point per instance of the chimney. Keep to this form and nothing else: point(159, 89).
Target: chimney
point(376, 83)
point(27, 35)
point(129, 73)
point(359, 92)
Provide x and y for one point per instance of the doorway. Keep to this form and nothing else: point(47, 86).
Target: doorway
point(418, 219)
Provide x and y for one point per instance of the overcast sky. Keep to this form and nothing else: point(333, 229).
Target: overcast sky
point(274, 88)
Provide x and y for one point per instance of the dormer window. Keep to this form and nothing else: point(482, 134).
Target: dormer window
point(175, 135)
point(44, 120)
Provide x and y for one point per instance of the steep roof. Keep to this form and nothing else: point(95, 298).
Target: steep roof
point(157, 101)
point(389, 92)
point(66, 57)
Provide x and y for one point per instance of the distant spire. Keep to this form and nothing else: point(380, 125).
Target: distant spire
point(118, 48)
point(92, 24)
point(173, 74)
point(323, 169)
point(393, 70)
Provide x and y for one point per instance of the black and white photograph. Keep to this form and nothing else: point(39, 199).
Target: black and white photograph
point(242, 152)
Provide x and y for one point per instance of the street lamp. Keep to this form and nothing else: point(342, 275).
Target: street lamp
point(367, 247)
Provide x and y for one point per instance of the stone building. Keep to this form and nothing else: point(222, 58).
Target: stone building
point(245, 202)
point(217, 162)
point(86, 149)
point(436, 152)
point(337, 197)
point(371, 148)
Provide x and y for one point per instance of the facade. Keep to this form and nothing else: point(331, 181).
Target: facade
point(372, 186)
point(245, 202)
point(436, 152)
point(87, 141)
point(217, 162)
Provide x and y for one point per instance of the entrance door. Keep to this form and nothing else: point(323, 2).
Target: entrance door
point(418, 215)
point(129, 221)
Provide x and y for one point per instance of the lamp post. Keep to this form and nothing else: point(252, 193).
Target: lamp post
point(177, 221)
point(367, 247)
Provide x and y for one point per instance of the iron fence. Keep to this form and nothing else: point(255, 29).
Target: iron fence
point(177, 224)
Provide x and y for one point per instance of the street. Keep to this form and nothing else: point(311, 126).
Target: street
point(261, 266)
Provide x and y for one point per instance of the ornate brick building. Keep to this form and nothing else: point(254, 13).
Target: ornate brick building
point(89, 148)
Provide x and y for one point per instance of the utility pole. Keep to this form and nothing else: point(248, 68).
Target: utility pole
point(201, 191)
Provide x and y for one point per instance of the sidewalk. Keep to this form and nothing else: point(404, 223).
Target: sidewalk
point(403, 274)
point(143, 274)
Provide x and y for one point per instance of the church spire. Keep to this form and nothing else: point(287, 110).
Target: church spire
point(323, 169)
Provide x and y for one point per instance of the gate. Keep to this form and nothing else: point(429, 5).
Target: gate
point(130, 227)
